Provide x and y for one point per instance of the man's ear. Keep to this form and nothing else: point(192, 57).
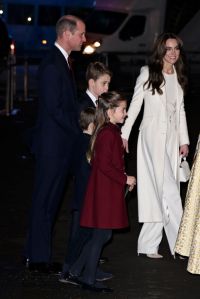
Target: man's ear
point(67, 34)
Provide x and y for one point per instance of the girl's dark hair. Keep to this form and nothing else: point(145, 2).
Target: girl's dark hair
point(108, 100)
point(87, 116)
point(156, 77)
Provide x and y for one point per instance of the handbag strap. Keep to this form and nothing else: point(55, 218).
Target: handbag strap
point(182, 158)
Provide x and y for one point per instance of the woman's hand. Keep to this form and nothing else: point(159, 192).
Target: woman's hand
point(184, 150)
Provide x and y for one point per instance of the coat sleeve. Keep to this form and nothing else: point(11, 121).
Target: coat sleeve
point(183, 131)
point(106, 145)
point(136, 103)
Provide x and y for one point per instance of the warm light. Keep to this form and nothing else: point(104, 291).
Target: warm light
point(29, 19)
point(88, 50)
point(96, 44)
point(1, 11)
point(44, 42)
point(12, 48)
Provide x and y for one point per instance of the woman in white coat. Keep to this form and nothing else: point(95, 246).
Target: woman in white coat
point(163, 137)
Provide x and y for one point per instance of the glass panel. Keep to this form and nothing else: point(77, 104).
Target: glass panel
point(79, 12)
point(134, 27)
point(104, 22)
point(4, 40)
point(48, 15)
point(21, 14)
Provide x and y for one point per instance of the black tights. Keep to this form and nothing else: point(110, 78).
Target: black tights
point(88, 260)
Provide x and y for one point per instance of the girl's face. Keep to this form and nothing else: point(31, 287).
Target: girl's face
point(118, 114)
point(172, 52)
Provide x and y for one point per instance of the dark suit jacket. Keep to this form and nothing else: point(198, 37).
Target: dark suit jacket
point(57, 123)
point(82, 172)
point(85, 102)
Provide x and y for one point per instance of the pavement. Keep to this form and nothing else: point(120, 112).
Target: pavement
point(134, 277)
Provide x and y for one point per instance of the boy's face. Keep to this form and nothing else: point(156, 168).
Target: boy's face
point(90, 129)
point(99, 86)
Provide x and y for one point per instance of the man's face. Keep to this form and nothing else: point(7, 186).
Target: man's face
point(77, 38)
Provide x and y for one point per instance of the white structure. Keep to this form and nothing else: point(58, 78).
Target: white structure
point(125, 26)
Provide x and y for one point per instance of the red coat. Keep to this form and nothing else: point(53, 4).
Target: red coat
point(104, 205)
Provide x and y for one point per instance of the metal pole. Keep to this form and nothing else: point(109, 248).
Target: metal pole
point(11, 81)
point(14, 76)
point(7, 105)
point(25, 80)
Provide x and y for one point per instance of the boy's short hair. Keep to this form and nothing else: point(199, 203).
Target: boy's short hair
point(97, 69)
point(87, 116)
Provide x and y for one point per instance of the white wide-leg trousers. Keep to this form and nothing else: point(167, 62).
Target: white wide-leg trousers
point(151, 232)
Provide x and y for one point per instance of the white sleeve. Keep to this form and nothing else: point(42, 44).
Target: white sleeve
point(136, 102)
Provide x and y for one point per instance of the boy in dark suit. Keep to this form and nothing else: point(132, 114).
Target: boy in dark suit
point(98, 78)
point(78, 235)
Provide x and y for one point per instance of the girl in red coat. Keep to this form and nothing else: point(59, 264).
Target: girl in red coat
point(104, 206)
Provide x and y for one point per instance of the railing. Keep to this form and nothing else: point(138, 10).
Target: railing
point(10, 83)
point(15, 79)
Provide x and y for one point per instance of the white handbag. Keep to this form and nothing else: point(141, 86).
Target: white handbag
point(184, 170)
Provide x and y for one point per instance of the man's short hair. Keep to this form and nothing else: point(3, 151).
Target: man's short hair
point(67, 22)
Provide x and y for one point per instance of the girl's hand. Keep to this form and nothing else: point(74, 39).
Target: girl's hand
point(131, 181)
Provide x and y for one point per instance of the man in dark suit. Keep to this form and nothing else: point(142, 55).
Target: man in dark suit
point(54, 139)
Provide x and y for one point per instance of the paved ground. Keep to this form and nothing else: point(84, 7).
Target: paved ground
point(134, 277)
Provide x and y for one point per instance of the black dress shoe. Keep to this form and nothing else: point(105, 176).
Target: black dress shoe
point(70, 279)
point(102, 276)
point(103, 260)
point(45, 268)
point(96, 287)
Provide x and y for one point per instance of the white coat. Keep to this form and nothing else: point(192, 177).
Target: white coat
point(152, 144)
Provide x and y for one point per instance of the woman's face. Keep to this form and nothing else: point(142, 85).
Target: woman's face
point(172, 52)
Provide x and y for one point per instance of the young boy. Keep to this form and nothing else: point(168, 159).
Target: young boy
point(78, 235)
point(98, 78)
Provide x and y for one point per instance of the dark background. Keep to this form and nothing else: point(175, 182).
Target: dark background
point(135, 277)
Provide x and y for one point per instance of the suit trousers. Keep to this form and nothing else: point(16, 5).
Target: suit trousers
point(151, 232)
point(50, 179)
point(87, 263)
point(78, 236)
